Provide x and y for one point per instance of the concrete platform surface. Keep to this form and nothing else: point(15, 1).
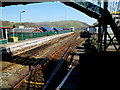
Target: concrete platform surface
point(22, 46)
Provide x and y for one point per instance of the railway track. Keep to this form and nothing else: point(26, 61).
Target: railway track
point(53, 80)
point(36, 65)
point(66, 48)
point(25, 58)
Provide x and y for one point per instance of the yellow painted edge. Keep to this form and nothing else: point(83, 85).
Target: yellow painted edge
point(34, 82)
point(114, 12)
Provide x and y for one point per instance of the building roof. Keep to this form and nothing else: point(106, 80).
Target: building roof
point(47, 28)
point(6, 28)
point(57, 29)
point(24, 30)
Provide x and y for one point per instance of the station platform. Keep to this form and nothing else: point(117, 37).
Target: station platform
point(22, 46)
point(94, 70)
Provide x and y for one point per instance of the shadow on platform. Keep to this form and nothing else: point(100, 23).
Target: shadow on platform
point(98, 70)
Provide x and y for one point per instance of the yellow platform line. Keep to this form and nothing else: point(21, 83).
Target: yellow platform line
point(34, 83)
point(114, 12)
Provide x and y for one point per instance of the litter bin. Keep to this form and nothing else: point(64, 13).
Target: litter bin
point(13, 39)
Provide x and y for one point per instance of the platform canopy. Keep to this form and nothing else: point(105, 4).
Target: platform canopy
point(4, 3)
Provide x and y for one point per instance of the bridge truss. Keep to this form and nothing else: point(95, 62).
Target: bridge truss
point(107, 13)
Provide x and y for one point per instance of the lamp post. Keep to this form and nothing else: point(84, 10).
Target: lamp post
point(21, 22)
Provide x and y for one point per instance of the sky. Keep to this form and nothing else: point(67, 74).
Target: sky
point(41, 12)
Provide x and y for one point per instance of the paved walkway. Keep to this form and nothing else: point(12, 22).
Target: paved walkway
point(21, 46)
point(32, 40)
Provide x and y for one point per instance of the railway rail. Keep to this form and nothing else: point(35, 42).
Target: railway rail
point(35, 66)
point(51, 82)
point(24, 58)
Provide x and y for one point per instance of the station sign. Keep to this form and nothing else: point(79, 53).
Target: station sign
point(21, 26)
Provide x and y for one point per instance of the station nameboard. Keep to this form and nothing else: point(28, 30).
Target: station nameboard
point(21, 27)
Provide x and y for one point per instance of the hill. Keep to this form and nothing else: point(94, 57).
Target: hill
point(61, 24)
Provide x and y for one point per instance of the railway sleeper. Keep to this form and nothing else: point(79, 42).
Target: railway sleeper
point(42, 75)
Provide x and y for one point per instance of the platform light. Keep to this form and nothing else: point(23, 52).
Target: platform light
point(21, 22)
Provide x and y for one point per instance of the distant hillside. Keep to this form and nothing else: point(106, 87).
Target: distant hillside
point(61, 24)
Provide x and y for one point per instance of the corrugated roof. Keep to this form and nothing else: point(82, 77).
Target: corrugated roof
point(47, 28)
point(58, 29)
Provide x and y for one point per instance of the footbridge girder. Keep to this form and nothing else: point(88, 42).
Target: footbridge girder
point(96, 12)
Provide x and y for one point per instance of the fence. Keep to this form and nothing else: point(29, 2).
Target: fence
point(24, 36)
point(3, 41)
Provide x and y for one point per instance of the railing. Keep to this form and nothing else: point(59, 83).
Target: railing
point(24, 36)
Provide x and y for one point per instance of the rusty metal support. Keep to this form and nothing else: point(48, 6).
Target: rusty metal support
point(105, 27)
point(99, 36)
point(29, 79)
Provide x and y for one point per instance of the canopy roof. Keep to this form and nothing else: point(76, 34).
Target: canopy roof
point(57, 29)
